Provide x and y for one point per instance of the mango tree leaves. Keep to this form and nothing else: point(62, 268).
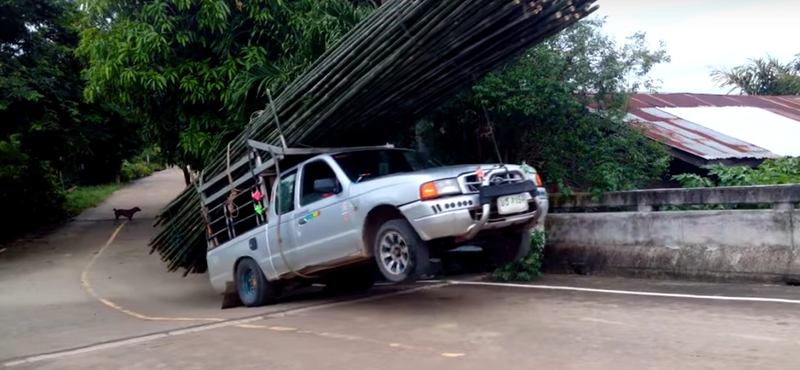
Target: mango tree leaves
point(194, 69)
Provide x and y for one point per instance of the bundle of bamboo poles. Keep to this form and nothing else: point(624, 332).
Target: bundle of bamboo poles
point(407, 58)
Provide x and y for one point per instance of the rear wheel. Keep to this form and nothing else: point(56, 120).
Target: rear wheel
point(253, 288)
point(508, 247)
point(400, 253)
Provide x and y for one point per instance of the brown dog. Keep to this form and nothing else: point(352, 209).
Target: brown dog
point(128, 213)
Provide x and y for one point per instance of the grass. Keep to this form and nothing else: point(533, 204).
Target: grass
point(87, 197)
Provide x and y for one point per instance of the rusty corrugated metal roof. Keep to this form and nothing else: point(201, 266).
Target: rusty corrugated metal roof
point(696, 139)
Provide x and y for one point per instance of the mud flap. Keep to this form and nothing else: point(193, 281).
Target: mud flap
point(231, 297)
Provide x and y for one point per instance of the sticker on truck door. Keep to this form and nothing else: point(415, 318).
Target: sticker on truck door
point(345, 214)
point(312, 216)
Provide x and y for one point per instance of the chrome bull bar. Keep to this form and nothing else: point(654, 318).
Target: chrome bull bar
point(486, 208)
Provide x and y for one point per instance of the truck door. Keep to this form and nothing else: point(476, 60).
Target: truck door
point(323, 229)
point(287, 209)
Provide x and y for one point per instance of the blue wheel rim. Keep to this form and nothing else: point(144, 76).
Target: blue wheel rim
point(248, 285)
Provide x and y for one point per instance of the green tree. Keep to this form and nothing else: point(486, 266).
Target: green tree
point(560, 108)
point(193, 69)
point(761, 76)
point(50, 137)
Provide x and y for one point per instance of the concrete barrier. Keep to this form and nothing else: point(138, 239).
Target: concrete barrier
point(634, 234)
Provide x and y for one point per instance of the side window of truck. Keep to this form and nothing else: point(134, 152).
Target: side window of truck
point(317, 170)
point(286, 188)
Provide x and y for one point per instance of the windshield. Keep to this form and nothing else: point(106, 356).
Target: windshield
point(367, 165)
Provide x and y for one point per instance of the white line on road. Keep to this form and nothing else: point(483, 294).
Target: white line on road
point(205, 327)
point(628, 292)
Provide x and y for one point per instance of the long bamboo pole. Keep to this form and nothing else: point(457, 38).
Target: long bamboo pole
point(390, 70)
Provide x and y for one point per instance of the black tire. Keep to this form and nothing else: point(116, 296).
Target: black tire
point(253, 288)
point(400, 254)
point(352, 280)
point(508, 247)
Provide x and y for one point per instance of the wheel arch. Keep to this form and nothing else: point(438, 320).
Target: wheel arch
point(376, 217)
point(239, 261)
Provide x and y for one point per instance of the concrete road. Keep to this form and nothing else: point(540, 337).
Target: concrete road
point(130, 314)
point(479, 327)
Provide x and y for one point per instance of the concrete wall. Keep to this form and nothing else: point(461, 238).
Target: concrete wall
point(729, 245)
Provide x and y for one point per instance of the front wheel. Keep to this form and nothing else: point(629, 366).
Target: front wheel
point(400, 253)
point(253, 288)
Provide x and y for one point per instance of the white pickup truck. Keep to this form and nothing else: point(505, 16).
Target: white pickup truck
point(337, 216)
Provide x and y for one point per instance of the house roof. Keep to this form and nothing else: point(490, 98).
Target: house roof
point(715, 127)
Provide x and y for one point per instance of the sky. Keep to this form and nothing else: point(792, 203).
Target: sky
point(704, 34)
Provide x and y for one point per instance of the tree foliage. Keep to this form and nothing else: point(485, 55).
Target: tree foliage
point(560, 108)
point(785, 170)
point(193, 69)
point(50, 137)
point(761, 76)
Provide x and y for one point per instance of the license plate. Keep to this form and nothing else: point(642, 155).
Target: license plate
point(512, 203)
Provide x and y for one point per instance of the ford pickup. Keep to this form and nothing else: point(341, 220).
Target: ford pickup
point(345, 216)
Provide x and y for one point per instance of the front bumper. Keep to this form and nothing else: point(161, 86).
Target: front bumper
point(465, 216)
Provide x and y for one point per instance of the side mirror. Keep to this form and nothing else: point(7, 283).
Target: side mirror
point(324, 186)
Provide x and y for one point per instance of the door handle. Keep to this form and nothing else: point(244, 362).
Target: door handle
point(302, 221)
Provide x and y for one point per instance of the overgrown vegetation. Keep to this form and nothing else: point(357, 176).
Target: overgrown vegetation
point(525, 268)
point(85, 197)
point(51, 139)
point(784, 170)
point(139, 167)
point(560, 108)
point(778, 171)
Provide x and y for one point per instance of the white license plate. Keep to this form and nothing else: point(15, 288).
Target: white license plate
point(512, 203)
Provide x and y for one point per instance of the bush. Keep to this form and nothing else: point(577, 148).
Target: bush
point(137, 169)
point(29, 191)
point(526, 268)
point(87, 197)
point(785, 170)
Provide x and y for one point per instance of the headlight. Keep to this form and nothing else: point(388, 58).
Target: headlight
point(433, 189)
point(531, 174)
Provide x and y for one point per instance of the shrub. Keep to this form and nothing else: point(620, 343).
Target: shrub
point(526, 268)
point(87, 197)
point(137, 169)
point(29, 190)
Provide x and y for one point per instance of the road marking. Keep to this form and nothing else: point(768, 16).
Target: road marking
point(243, 322)
point(592, 319)
point(281, 328)
point(629, 292)
point(446, 354)
point(87, 286)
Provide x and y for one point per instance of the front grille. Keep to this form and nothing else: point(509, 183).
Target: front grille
point(471, 184)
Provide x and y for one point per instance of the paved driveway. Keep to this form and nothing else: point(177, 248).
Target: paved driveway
point(131, 314)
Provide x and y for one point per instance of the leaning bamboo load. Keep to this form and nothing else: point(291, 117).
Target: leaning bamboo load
point(394, 67)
